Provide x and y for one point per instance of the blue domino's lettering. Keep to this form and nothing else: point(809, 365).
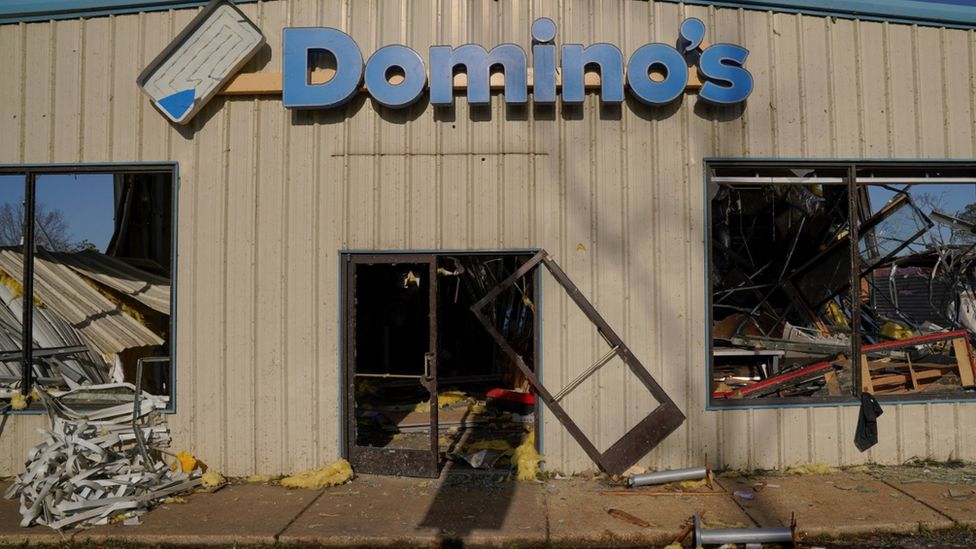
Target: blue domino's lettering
point(477, 63)
point(297, 90)
point(576, 59)
point(543, 61)
point(727, 81)
point(669, 61)
point(387, 61)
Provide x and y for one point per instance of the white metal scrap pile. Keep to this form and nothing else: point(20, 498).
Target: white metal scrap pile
point(90, 467)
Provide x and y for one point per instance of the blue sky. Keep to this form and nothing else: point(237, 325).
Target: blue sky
point(952, 198)
point(85, 200)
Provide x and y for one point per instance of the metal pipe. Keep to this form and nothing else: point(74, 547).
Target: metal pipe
point(742, 536)
point(137, 403)
point(664, 477)
point(589, 371)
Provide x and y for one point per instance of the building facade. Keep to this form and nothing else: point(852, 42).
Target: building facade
point(269, 197)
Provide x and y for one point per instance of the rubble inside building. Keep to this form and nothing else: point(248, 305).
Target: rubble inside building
point(781, 267)
point(483, 406)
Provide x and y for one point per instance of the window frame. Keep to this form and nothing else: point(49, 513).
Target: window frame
point(852, 166)
point(30, 172)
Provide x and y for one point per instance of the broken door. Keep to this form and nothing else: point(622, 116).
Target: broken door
point(391, 339)
point(639, 439)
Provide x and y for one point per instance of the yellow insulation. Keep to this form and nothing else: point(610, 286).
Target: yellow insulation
point(811, 469)
point(338, 473)
point(450, 397)
point(16, 287)
point(119, 304)
point(212, 479)
point(18, 401)
point(693, 484)
point(184, 462)
point(526, 458)
point(499, 445)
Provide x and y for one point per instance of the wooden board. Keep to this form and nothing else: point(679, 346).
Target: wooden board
point(965, 361)
point(269, 83)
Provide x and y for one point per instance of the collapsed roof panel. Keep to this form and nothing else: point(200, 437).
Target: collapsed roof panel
point(61, 356)
point(100, 321)
point(151, 290)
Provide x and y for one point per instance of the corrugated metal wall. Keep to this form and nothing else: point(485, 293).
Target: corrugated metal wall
point(268, 196)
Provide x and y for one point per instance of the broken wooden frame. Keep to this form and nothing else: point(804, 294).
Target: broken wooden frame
point(641, 438)
point(963, 350)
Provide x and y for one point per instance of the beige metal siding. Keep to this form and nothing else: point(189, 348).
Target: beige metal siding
point(268, 196)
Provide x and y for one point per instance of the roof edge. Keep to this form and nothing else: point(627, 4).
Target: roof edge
point(946, 13)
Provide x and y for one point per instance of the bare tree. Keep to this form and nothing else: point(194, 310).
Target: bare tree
point(51, 231)
point(954, 235)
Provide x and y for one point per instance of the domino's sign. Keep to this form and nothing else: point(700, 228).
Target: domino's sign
point(725, 80)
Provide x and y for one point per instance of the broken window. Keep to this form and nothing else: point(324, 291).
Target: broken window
point(793, 302)
point(91, 250)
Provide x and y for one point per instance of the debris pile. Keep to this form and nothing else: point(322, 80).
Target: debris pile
point(786, 313)
point(99, 466)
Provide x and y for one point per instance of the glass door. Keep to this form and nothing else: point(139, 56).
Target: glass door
point(390, 316)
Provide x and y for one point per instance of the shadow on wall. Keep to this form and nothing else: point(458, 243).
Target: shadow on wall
point(513, 113)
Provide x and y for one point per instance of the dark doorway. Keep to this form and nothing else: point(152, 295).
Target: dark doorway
point(425, 383)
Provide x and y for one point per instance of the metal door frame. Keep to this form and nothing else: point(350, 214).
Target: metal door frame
point(388, 461)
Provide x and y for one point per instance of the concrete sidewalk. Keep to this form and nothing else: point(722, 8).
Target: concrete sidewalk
point(477, 510)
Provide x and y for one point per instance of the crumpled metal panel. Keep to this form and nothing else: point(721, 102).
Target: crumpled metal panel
point(103, 325)
point(151, 290)
point(50, 331)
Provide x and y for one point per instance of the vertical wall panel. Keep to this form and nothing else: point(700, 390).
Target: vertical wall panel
point(11, 89)
point(269, 196)
point(96, 90)
point(239, 285)
point(38, 93)
point(67, 74)
point(154, 129)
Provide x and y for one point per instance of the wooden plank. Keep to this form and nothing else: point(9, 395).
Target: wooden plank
point(904, 379)
point(833, 386)
point(866, 384)
point(964, 359)
point(269, 83)
point(911, 373)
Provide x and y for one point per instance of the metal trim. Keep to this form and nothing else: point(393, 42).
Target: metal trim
point(893, 11)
